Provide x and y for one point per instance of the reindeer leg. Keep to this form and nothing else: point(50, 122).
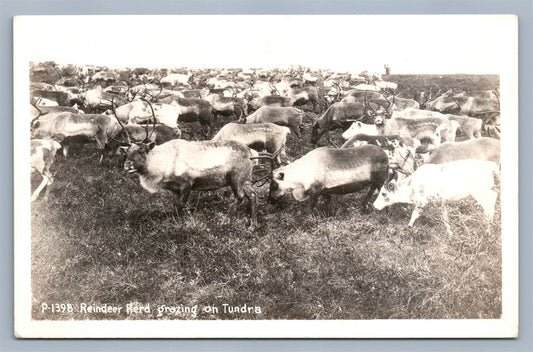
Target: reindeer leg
point(233, 208)
point(183, 196)
point(206, 131)
point(43, 184)
point(49, 185)
point(65, 150)
point(296, 130)
point(333, 143)
point(240, 190)
point(327, 205)
point(250, 194)
point(445, 218)
point(415, 215)
point(328, 137)
point(366, 200)
point(182, 189)
point(284, 158)
point(313, 200)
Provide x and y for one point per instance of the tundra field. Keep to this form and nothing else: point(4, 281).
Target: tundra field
point(102, 239)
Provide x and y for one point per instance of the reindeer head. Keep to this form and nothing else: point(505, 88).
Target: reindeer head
point(131, 146)
point(136, 157)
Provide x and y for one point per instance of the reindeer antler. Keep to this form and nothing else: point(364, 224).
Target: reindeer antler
point(119, 122)
point(271, 157)
point(152, 97)
point(148, 136)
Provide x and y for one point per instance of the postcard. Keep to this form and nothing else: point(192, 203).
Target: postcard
point(260, 176)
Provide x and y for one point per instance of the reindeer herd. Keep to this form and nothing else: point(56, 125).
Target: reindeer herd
point(388, 138)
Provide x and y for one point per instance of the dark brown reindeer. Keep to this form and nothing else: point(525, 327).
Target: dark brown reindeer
point(343, 114)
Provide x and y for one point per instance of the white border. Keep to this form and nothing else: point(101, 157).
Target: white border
point(507, 326)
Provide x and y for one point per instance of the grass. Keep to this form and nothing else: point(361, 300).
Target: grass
point(100, 238)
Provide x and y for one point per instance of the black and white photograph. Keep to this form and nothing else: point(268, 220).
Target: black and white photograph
point(266, 176)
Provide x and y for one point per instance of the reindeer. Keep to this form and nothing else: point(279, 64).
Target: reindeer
point(133, 133)
point(68, 127)
point(343, 114)
point(181, 166)
point(258, 136)
point(42, 156)
point(325, 171)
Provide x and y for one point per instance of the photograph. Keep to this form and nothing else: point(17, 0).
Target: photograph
point(266, 176)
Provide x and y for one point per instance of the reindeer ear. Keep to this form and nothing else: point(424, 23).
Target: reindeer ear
point(151, 145)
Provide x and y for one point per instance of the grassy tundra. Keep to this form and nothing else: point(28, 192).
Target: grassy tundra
point(101, 239)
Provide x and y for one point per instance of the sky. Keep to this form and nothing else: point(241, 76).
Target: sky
point(408, 44)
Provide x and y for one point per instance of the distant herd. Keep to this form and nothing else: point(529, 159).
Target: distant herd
point(407, 154)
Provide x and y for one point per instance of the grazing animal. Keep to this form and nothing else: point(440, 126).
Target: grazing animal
point(399, 104)
point(67, 127)
point(192, 110)
point(384, 85)
point(480, 148)
point(227, 106)
point(223, 92)
point(258, 136)
point(124, 112)
point(338, 115)
point(141, 112)
point(181, 166)
point(367, 87)
point(42, 156)
point(447, 103)
point(311, 78)
point(479, 105)
point(301, 96)
point(46, 102)
point(469, 127)
point(174, 79)
point(141, 89)
point(167, 97)
point(56, 96)
point(223, 84)
point(325, 171)
point(492, 124)
point(259, 89)
point(446, 182)
point(97, 98)
point(461, 103)
point(132, 133)
point(369, 97)
point(412, 113)
point(400, 150)
point(385, 142)
point(104, 77)
point(191, 93)
point(360, 128)
point(433, 129)
point(43, 110)
point(271, 100)
point(284, 116)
